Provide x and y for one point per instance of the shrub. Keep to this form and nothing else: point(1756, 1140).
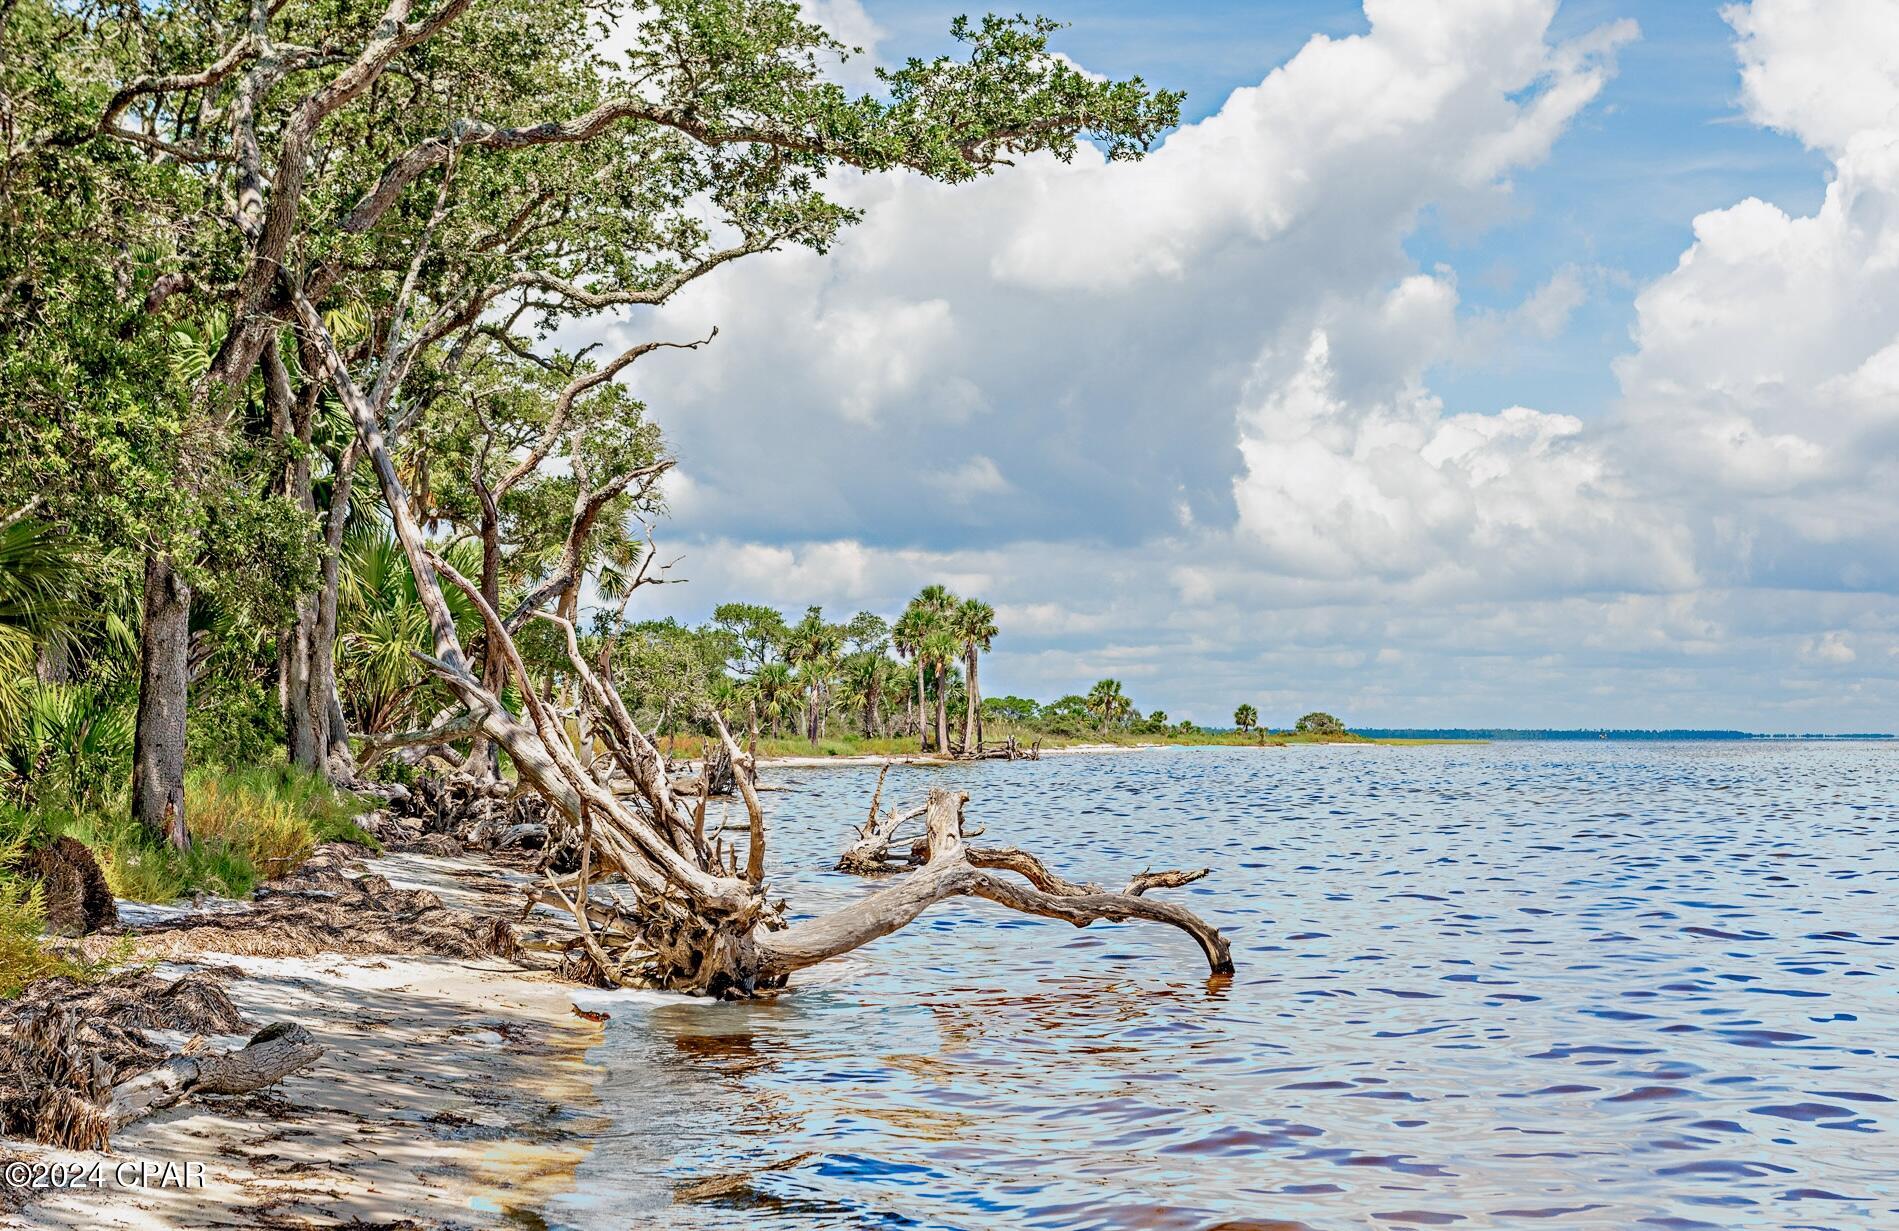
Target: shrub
point(234, 721)
point(1319, 723)
point(247, 826)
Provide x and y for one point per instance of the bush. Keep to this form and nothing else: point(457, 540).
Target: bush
point(1319, 723)
point(234, 721)
point(247, 826)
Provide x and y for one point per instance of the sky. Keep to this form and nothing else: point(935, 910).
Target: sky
point(1455, 363)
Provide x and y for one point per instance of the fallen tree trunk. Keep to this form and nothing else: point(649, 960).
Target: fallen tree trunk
point(685, 914)
point(274, 1053)
point(76, 1062)
point(951, 870)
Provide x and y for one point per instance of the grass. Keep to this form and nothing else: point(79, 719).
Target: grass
point(247, 826)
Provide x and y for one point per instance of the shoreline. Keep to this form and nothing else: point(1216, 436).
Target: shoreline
point(816, 760)
point(451, 1091)
point(813, 761)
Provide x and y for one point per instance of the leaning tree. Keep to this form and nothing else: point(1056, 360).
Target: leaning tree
point(462, 178)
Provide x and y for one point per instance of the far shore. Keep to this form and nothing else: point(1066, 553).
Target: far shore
point(811, 760)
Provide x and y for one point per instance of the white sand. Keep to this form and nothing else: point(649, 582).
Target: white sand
point(452, 1092)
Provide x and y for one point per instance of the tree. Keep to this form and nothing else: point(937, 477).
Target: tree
point(1108, 704)
point(99, 234)
point(429, 205)
point(1319, 723)
point(975, 623)
point(927, 632)
point(906, 637)
point(867, 675)
point(757, 634)
point(1011, 709)
point(1245, 717)
point(812, 646)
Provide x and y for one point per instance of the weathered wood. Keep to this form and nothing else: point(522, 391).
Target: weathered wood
point(701, 926)
point(874, 849)
point(274, 1053)
point(955, 870)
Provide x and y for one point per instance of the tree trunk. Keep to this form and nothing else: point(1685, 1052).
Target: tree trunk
point(923, 726)
point(158, 757)
point(306, 725)
point(975, 695)
point(684, 917)
point(942, 707)
point(969, 702)
point(274, 1053)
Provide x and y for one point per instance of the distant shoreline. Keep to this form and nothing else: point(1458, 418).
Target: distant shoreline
point(1603, 734)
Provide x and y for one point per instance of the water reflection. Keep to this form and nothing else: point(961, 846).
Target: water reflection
point(1519, 985)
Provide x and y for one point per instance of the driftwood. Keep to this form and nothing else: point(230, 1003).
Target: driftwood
point(76, 1063)
point(873, 848)
point(685, 912)
point(486, 815)
point(274, 1053)
point(1008, 750)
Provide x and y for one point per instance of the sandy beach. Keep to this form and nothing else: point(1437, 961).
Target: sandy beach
point(452, 1093)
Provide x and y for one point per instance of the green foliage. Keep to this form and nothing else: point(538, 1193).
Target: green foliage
point(383, 626)
point(1011, 709)
point(1319, 723)
point(1245, 717)
point(248, 826)
point(1109, 705)
point(139, 294)
point(235, 720)
point(72, 745)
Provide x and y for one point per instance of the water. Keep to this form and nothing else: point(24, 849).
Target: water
point(1520, 985)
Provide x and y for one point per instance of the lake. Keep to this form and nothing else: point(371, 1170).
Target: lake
point(1574, 986)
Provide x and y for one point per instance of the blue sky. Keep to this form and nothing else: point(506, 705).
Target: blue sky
point(1457, 362)
point(1667, 142)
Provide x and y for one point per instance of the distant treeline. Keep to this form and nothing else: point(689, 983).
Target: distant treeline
point(1516, 733)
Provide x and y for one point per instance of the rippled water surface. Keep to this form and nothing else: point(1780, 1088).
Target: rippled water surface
point(1518, 985)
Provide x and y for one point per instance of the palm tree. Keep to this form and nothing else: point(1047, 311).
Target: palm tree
point(906, 637)
point(1107, 702)
point(812, 645)
point(1246, 718)
point(775, 692)
point(40, 571)
point(382, 626)
point(925, 632)
point(940, 648)
point(866, 674)
point(976, 625)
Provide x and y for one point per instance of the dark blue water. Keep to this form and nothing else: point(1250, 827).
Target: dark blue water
point(1516, 985)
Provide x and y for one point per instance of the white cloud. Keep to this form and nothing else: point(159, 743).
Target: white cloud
point(1175, 419)
point(1833, 648)
point(1823, 70)
point(975, 479)
point(1763, 385)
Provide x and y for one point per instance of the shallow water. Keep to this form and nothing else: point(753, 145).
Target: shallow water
point(1518, 985)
